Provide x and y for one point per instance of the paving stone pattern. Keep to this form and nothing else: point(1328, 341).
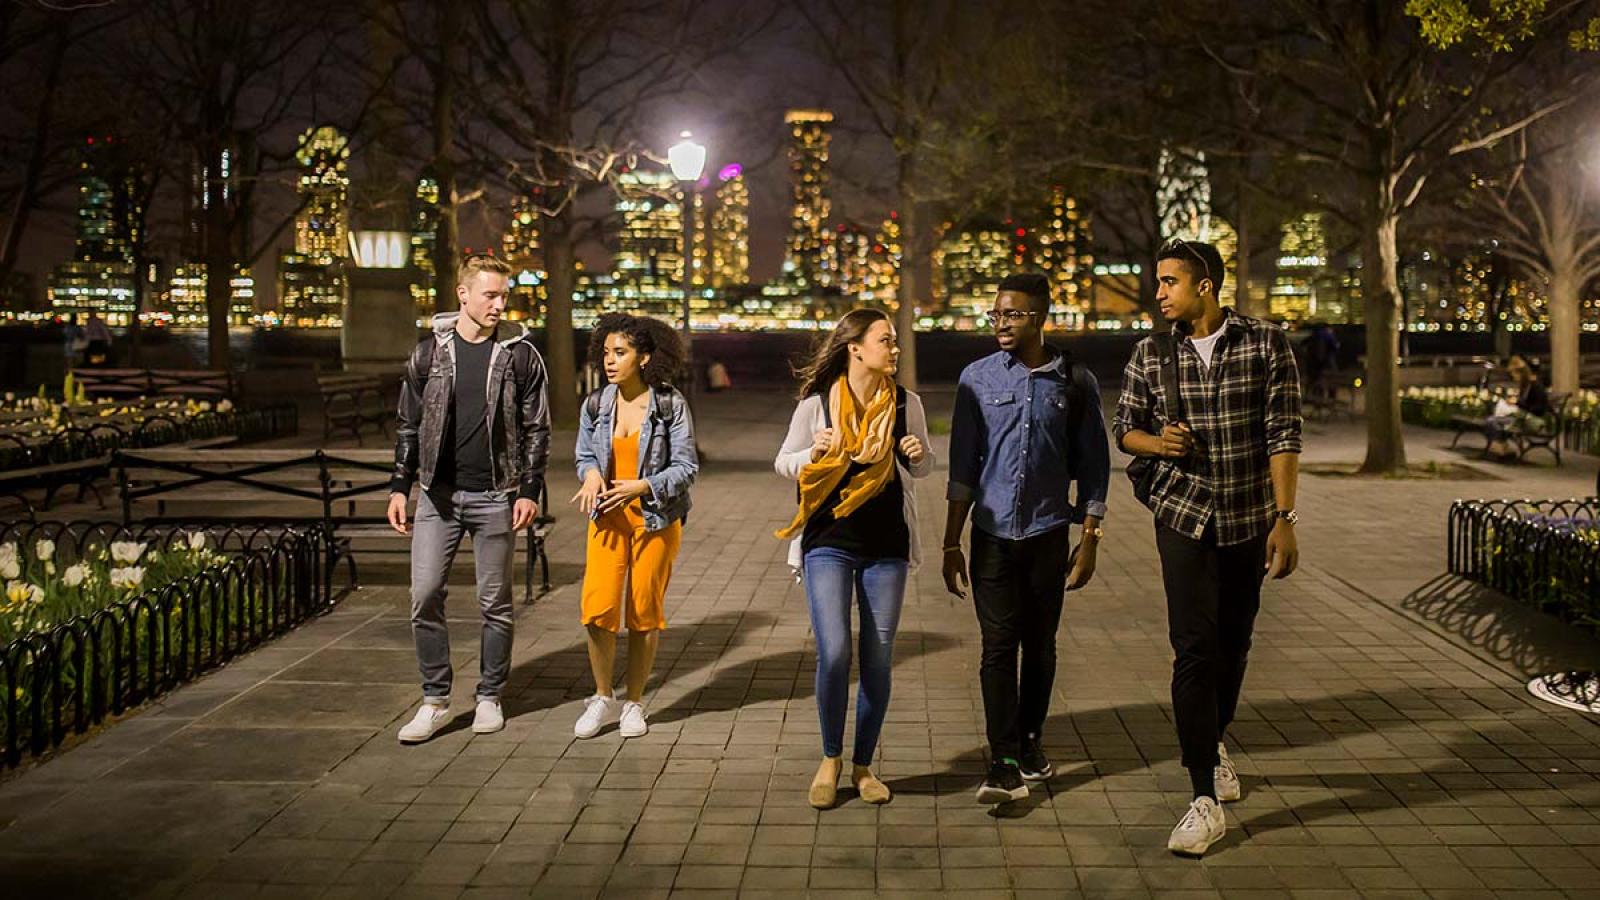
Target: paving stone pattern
point(1387, 746)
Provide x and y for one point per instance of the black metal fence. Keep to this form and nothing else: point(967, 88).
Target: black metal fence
point(92, 440)
point(73, 676)
point(1541, 552)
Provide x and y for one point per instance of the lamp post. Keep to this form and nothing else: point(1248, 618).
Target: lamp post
point(687, 160)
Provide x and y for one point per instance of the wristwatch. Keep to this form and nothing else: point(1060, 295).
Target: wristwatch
point(1290, 516)
point(1096, 532)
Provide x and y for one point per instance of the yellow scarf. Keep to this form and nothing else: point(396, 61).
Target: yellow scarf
point(866, 437)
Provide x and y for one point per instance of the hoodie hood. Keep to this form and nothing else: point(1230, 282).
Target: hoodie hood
point(444, 327)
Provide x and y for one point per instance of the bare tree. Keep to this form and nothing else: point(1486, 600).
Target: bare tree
point(1382, 108)
point(560, 92)
point(1540, 203)
point(225, 77)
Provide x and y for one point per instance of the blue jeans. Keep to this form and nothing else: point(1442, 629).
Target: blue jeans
point(833, 579)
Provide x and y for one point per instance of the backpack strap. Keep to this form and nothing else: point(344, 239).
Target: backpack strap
point(592, 404)
point(899, 414)
point(1167, 351)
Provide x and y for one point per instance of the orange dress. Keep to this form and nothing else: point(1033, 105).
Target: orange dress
point(626, 568)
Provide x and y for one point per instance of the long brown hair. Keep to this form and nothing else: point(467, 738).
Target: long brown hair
point(832, 356)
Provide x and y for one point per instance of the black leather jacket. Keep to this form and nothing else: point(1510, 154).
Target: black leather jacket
point(518, 409)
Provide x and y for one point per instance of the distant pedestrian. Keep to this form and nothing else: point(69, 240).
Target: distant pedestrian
point(1027, 427)
point(636, 461)
point(474, 432)
point(717, 378)
point(855, 442)
point(1211, 410)
point(73, 343)
point(98, 336)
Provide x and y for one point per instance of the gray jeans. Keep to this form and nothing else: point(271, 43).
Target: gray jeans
point(442, 518)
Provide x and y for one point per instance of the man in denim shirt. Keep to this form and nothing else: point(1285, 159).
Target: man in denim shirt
point(1027, 424)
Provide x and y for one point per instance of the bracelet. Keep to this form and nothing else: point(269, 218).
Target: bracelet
point(953, 548)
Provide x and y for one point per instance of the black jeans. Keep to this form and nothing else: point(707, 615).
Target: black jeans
point(1213, 594)
point(1017, 589)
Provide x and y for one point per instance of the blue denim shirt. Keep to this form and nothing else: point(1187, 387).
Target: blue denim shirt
point(1014, 454)
point(667, 457)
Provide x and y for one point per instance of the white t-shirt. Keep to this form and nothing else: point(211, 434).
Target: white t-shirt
point(1206, 346)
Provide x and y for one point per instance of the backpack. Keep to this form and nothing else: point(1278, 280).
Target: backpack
point(658, 408)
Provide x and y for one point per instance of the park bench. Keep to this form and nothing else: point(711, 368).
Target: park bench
point(1524, 438)
point(199, 384)
point(354, 403)
point(345, 490)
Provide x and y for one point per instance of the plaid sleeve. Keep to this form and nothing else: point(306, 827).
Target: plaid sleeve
point(1134, 404)
point(1283, 395)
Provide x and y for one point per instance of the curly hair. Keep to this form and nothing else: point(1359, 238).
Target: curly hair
point(648, 336)
point(831, 358)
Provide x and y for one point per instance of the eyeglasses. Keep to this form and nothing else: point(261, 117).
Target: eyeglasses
point(1176, 243)
point(1010, 316)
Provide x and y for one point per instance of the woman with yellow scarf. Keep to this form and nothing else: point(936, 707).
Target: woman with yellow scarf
point(853, 443)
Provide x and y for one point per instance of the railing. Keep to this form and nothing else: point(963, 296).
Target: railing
point(1545, 553)
point(74, 675)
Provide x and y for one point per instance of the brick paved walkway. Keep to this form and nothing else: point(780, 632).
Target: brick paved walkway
point(1387, 745)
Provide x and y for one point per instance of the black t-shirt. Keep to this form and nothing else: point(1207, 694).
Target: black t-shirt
point(467, 437)
point(876, 530)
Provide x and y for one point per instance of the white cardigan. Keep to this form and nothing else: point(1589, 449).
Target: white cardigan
point(796, 452)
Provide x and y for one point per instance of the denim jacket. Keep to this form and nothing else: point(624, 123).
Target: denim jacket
point(667, 457)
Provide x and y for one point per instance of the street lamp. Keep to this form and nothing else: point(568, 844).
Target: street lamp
point(687, 160)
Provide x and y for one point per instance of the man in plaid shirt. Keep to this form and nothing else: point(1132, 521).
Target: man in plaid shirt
point(1226, 459)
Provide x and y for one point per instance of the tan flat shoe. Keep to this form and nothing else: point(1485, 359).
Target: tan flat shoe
point(825, 786)
point(869, 787)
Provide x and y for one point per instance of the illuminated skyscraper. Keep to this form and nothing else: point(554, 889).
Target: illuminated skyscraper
point(310, 284)
point(649, 258)
point(1061, 250)
point(424, 226)
point(521, 248)
point(805, 261)
point(1226, 240)
point(100, 275)
point(973, 259)
point(186, 295)
point(730, 230)
point(885, 280)
point(700, 258)
point(1302, 261)
point(1183, 195)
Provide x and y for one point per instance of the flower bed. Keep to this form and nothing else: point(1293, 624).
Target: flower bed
point(1436, 406)
point(97, 618)
point(1542, 552)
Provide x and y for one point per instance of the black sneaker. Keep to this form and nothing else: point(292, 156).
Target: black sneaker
point(1003, 785)
point(1034, 764)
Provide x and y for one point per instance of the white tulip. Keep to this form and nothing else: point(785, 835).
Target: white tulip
point(75, 575)
point(127, 578)
point(45, 549)
point(126, 551)
point(197, 541)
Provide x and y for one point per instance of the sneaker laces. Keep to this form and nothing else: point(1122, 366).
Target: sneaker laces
point(1195, 819)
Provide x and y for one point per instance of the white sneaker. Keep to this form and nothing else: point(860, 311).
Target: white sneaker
point(633, 721)
point(429, 719)
point(1226, 777)
point(489, 718)
point(598, 712)
point(1201, 827)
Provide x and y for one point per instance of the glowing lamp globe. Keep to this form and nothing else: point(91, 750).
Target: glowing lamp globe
point(687, 159)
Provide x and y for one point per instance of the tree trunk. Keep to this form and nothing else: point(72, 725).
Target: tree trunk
point(1564, 312)
point(559, 358)
point(1241, 265)
point(914, 263)
point(28, 191)
point(448, 22)
point(1380, 287)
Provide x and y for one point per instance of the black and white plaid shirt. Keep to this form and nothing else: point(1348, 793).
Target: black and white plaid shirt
point(1243, 410)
